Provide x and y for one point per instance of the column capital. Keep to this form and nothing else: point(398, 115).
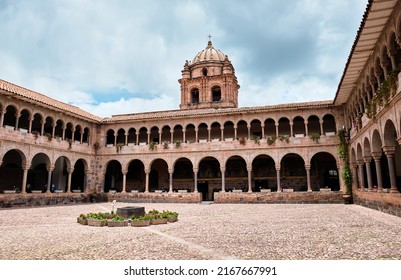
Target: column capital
point(376, 155)
point(70, 170)
point(389, 150)
point(195, 170)
point(222, 169)
point(399, 140)
point(367, 159)
point(278, 167)
point(124, 172)
point(25, 166)
point(171, 170)
point(147, 170)
point(360, 162)
point(307, 166)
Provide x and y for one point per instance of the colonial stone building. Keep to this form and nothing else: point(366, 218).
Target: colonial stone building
point(211, 149)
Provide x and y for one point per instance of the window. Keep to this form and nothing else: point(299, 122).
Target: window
point(195, 96)
point(204, 72)
point(216, 94)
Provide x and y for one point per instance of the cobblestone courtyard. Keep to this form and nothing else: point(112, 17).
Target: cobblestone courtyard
point(216, 231)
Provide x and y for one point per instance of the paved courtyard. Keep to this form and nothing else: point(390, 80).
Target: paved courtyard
point(216, 231)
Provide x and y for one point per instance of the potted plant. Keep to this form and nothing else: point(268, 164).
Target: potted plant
point(142, 221)
point(242, 140)
point(165, 145)
point(171, 216)
point(256, 139)
point(177, 143)
point(117, 221)
point(82, 219)
point(152, 146)
point(119, 147)
point(285, 138)
point(96, 220)
point(96, 145)
point(314, 137)
point(270, 140)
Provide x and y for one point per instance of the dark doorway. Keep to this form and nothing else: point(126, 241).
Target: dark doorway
point(203, 188)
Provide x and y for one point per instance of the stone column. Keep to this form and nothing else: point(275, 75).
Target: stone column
point(147, 171)
point(291, 129)
point(160, 136)
point(249, 179)
point(30, 125)
point(306, 128)
point(263, 130)
point(148, 138)
point(49, 178)
point(278, 179)
point(354, 175)
point(249, 131)
point(137, 138)
point(126, 139)
point(307, 169)
point(361, 175)
point(2, 113)
point(235, 132)
point(209, 130)
point(377, 159)
point(24, 178)
point(70, 170)
point(171, 136)
point(392, 54)
point(42, 127)
point(276, 130)
point(184, 138)
point(389, 151)
point(115, 138)
point(222, 133)
point(63, 136)
point(17, 116)
point(124, 181)
point(195, 179)
point(367, 160)
point(223, 180)
point(53, 130)
point(196, 135)
point(321, 127)
point(170, 181)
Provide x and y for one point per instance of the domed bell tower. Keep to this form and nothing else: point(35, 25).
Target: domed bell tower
point(209, 81)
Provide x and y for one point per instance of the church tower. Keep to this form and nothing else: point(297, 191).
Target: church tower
point(209, 81)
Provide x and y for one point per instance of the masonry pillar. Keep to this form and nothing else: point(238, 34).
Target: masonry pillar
point(126, 139)
point(222, 133)
point(17, 116)
point(147, 171)
point(235, 132)
point(69, 171)
point(195, 179)
point(49, 178)
point(263, 130)
point(184, 138)
point(307, 169)
point(249, 179)
point(53, 130)
point(361, 174)
point(148, 138)
point(306, 128)
point(291, 129)
point(160, 136)
point(223, 179)
point(124, 190)
point(354, 175)
point(30, 125)
point(170, 181)
point(115, 138)
point(389, 151)
point(42, 127)
point(2, 113)
point(63, 136)
point(137, 138)
point(367, 160)
point(209, 130)
point(277, 130)
point(24, 178)
point(278, 178)
point(321, 127)
point(249, 131)
point(196, 135)
point(171, 136)
point(377, 159)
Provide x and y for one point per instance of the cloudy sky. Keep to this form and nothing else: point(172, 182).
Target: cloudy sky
point(125, 56)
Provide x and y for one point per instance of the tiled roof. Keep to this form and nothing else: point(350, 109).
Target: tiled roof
point(45, 100)
point(212, 111)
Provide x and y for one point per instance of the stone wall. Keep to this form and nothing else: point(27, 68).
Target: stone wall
point(43, 199)
point(155, 197)
point(385, 202)
point(279, 197)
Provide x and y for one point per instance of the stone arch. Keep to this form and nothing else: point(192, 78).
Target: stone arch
point(353, 156)
point(85, 137)
point(366, 148)
point(313, 124)
point(203, 132)
point(10, 118)
point(324, 172)
point(110, 136)
point(293, 172)
point(229, 131)
point(298, 126)
point(256, 128)
point(11, 170)
point(242, 129)
point(23, 122)
point(390, 134)
point(113, 177)
point(159, 175)
point(166, 134)
point(60, 174)
point(68, 133)
point(58, 130)
point(178, 134)
point(37, 123)
point(270, 127)
point(154, 134)
point(132, 136)
point(190, 134)
point(215, 131)
point(143, 136)
point(38, 172)
point(264, 173)
point(78, 133)
point(284, 126)
point(136, 178)
point(376, 141)
point(183, 175)
point(78, 177)
point(329, 124)
point(195, 96)
point(236, 175)
point(48, 126)
point(209, 175)
point(121, 136)
point(359, 153)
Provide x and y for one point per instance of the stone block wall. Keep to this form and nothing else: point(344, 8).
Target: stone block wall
point(385, 202)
